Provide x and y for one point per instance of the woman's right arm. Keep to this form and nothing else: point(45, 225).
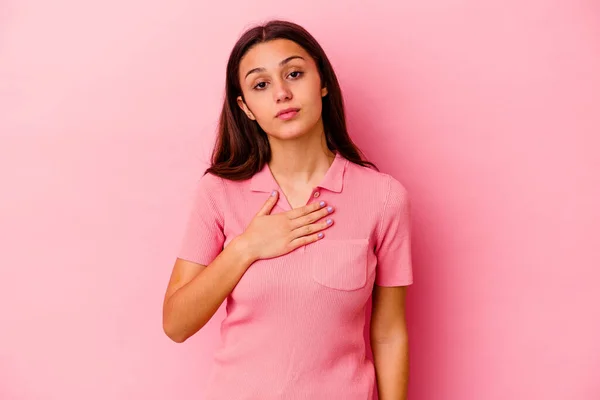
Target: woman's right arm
point(195, 292)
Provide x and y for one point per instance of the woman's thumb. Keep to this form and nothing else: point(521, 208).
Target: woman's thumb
point(269, 204)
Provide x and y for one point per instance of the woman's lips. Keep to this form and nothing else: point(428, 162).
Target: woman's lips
point(288, 114)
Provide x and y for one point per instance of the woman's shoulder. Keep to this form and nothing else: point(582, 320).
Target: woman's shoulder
point(210, 180)
point(381, 182)
point(218, 186)
point(209, 184)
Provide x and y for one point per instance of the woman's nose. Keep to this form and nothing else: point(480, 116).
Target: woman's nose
point(282, 92)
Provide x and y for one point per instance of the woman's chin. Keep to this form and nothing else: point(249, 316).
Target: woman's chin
point(294, 131)
point(290, 134)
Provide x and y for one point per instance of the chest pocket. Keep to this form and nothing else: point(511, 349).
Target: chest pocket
point(340, 264)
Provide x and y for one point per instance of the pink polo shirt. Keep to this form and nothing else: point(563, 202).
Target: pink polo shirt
point(295, 324)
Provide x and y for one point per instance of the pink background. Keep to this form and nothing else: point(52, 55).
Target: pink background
point(487, 111)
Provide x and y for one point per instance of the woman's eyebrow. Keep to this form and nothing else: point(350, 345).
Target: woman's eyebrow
point(281, 64)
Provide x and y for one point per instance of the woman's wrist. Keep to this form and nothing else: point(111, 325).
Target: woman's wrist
point(242, 247)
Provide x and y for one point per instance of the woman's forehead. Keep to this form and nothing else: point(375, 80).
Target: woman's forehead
point(271, 54)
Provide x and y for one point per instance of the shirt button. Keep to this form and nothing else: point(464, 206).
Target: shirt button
point(316, 194)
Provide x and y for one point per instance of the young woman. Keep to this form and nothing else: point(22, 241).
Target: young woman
point(297, 232)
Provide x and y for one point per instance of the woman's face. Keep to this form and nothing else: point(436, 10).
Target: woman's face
point(280, 75)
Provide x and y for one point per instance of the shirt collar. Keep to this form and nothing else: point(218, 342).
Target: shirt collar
point(263, 180)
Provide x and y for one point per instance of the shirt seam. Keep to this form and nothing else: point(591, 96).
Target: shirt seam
point(221, 212)
point(387, 199)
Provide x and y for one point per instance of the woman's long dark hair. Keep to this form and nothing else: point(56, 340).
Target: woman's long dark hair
point(242, 147)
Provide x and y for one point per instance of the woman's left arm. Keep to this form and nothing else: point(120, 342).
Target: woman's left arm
point(389, 341)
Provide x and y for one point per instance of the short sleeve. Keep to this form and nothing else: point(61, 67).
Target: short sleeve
point(393, 250)
point(203, 237)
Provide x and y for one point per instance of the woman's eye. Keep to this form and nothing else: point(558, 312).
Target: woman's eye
point(263, 85)
point(260, 85)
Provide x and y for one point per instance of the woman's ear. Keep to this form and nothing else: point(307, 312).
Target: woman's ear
point(245, 108)
point(324, 92)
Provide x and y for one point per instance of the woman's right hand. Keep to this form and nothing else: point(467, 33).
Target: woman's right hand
point(269, 236)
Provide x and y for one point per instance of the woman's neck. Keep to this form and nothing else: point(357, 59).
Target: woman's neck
point(304, 161)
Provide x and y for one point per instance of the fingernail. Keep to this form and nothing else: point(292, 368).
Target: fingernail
point(329, 209)
point(320, 235)
point(274, 192)
point(322, 203)
point(329, 222)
